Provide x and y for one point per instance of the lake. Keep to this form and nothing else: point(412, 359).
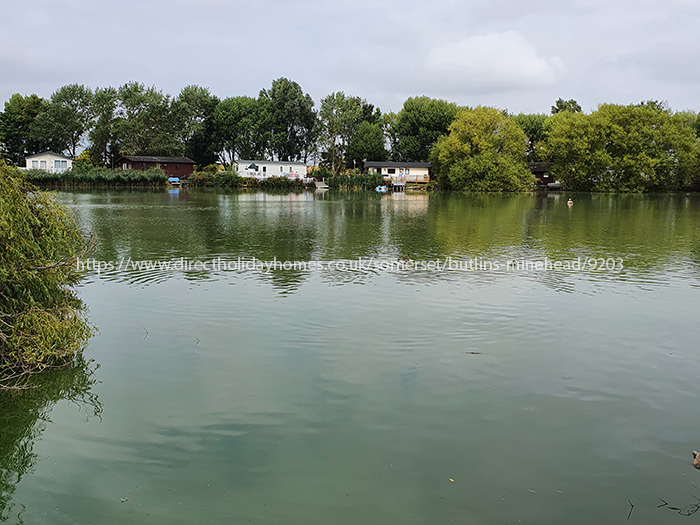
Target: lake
point(446, 358)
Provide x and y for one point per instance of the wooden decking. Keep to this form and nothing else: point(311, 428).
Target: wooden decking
point(399, 183)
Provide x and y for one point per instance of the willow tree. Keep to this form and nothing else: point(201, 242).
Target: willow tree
point(42, 321)
point(483, 151)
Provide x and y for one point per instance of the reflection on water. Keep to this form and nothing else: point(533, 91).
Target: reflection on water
point(651, 237)
point(23, 418)
point(345, 397)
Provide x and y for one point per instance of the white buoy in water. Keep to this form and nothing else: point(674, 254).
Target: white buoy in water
point(570, 202)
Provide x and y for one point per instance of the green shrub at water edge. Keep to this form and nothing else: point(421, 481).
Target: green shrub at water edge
point(281, 183)
point(42, 321)
point(321, 173)
point(215, 179)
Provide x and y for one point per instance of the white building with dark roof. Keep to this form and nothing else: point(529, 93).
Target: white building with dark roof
point(402, 171)
point(265, 169)
point(50, 162)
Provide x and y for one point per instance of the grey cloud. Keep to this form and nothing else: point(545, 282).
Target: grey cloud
point(520, 55)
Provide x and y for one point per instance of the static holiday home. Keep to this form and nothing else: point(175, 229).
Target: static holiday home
point(264, 169)
point(171, 166)
point(401, 172)
point(50, 162)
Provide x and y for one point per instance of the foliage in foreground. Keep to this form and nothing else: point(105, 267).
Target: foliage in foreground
point(42, 322)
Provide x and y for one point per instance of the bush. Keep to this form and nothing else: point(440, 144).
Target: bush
point(42, 323)
point(321, 173)
point(281, 183)
point(211, 169)
point(490, 171)
point(215, 179)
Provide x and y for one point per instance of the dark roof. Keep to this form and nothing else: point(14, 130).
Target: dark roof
point(52, 153)
point(375, 164)
point(539, 167)
point(165, 160)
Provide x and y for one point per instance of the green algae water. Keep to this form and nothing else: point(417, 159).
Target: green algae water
point(404, 390)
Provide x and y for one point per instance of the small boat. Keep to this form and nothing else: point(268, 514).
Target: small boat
point(381, 189)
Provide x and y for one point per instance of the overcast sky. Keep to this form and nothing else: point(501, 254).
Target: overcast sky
point(515, 54)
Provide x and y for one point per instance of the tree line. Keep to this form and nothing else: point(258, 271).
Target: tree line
point(638, 147)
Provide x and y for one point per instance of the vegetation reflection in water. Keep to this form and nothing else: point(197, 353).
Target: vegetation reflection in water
point(651, 234)
point(24, 415)
point(301, 397)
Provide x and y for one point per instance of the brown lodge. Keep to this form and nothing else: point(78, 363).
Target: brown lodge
point(171, 166)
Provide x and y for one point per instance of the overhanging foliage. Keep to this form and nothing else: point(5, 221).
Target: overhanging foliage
point(42, 322)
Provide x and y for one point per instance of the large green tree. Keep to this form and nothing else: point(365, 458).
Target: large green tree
point(419, 124)
point(15, 127)
point(391, 138)
point(484, 151)
point(341, 118)
point(533, 126)
point(240, 129)
point(66, 120)
point(145, 123)
point(338, 116)
point(640, 147)
point(366, 140)
point(104, 105)
point(566, 105)
point(366, 143)
point(290, 118)
point(194, 108)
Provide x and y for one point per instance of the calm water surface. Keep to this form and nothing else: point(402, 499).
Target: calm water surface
point(377, 395)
